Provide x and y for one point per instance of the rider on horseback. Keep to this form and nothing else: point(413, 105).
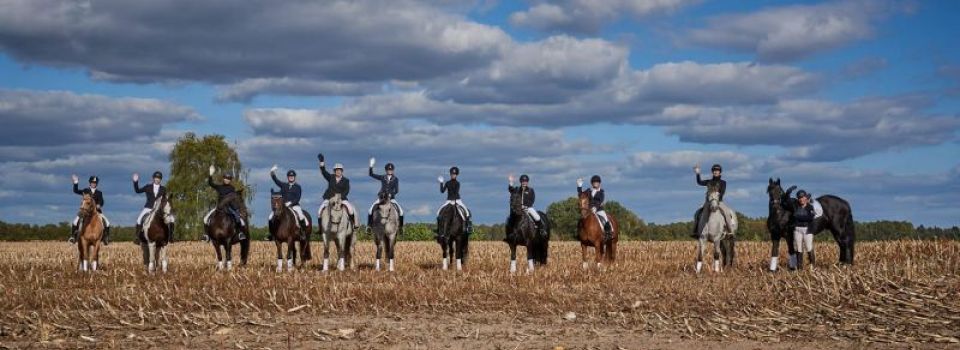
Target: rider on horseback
point(336, 184)
point(390, 186)
point(153, 191)
point(290, 192)
point(715, 184)
point(224, 191)
point(452, 188)
point(527, 198)
point(97, 198)
point(596, 203)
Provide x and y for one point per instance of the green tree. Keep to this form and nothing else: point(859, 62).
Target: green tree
point(631, 226)
point(189, 162)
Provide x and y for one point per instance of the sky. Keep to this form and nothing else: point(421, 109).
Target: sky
point(858, 98)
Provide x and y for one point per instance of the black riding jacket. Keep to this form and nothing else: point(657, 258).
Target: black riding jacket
point(714, 183)
point(452, 188)
point(334, 187)
point(222, 190)
point(596, 199)
point(148, 189)
point(389, 184)
point(803, 216)
point(527, 195)
point(289, 192)
point(97, 195)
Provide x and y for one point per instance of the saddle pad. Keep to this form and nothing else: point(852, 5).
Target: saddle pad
point(817, 209)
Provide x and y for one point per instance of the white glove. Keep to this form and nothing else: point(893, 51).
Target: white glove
point(580, 182)
point(440, 179)
point(287, 203)
point(273, 169)
point(76, 180)
point(136, 177)
point(372, 161)
point(696, 168)
point(212, 169)
point(510, 179)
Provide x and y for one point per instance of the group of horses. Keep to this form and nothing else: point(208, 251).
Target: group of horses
point(337, 228)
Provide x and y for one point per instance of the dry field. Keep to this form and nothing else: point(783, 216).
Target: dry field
point(900, 295)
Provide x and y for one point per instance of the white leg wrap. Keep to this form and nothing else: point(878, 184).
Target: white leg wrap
point(391, 265)
point(585, 265)
point(716, 266)
point(377, 265)
point(229, 265)
point(446, 263)
point(774, 261)
point(279, 265)
point(289, 264)
point(94, 264)
point(699, 266)
point(513, 266)
point(219, 265)
point(529, 265)
point(459, 265)
point(163, 265)
point(150, 267)
point(326, 264)
point(340, 264)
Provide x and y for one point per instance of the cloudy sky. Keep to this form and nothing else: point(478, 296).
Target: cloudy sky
point(855, 98)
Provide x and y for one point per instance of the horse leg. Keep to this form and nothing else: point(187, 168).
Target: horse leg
point(531, 252)
point(701, 246)
point(163, 258)
point(145, 252)
point(611, 251)
point(716, 256)
point(445, 246)
point(216, 247)
point(81, 265)
point(291, 254)
point(461, 249)
point(95, 255)
point(326, 251)
point(152, 251)
point(391, 249)
point(774, 250)
point(598, 249)
point(340, 243)
point(513, 257)
point(229, 250)
point(583, 254)
point(379, 242)
point(279, 245)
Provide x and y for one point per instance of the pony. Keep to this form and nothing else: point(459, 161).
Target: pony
point(91, 231)
point(452, 236)
point(385, 225)
point(223, 232)
point(714, 229)
point(337, 227)
point(590, 232)
point(285, 229)
point(522, 230)
point(156, 232)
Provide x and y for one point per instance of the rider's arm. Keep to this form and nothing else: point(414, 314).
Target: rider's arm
point(76, 189)
point(325, 173)
point(137, 188)
point(276, 180)
point(346, 187)
point(210, 182)
point(723, 189)
point(700, 181)
point(443, 187)
point(533, 196)
point(396, 189)
point(375, 176)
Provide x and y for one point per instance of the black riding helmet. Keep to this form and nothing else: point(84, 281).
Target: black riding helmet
point(454, 171)
point(389, 166)
point(291, 173)
point(94, 179)
point(802, 193)
point(157, 175)
point(595, 178)
point(716, 167)
point(228, 176)
point(524, 178)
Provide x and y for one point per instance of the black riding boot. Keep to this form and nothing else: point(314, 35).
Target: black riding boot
point(369, 220)
point(170, 233)
point(106, 236)
point(437, 233)
point(269, 232)
point(138, 235)
point(799, 261)
point(696, 224)
point(541, 228)
point(607, 231)
point(206, 237)
point(74, 231)
point(811, 257)
point(468, 227)
point(242, 235)
point(400, 228)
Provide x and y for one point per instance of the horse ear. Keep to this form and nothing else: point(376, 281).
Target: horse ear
point(771, 181)
point(778, 181)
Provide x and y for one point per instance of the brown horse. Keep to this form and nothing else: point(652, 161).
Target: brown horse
point(224, 232)
point(285, 230)
point(591, 233)
point(91, 231)
point(157, 231)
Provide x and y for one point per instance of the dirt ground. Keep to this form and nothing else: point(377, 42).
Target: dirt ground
point(900, 295)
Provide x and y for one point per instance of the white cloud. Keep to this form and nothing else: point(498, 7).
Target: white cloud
point(588, 17)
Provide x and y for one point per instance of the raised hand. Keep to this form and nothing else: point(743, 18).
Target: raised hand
point(580, 182)
point(212, 170)
point(372, 161)
point(75, 179)
point(440, 179)
point(696, 168)
point(510, 179)
point(136, 177)
point(320, 157)
point(273, 169)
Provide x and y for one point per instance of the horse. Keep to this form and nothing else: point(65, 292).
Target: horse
point(838, 218)
point(778, 223)
point(590, 232)
point(156, 234)
point(522, 230)
point(337, 227)
point(91, 231)
point(714, 229)
point(385, 225)
point(286, 229)
point(452, 236)
point(223, 232)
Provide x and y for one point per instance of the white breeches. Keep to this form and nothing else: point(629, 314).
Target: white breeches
point(394, 201)
point(457, 202)
point(347, 204)
point(297, 211)
point(533, 213)
point(146, 211)
point(802, 240)
point(206, 218)
point(602, 214)
point(76, 220)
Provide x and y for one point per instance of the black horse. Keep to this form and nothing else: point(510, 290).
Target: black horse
point(452, 236)
point(778, 222)
point(223, 231)
point(522, 230)
point(837, 217)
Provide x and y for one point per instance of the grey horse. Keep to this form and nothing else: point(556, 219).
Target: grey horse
point(718, 230)
point(337, 227)
point(385, 225)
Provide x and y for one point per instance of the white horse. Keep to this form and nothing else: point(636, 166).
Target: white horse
point(385, 225)
point(338, 228)
point(718, 230)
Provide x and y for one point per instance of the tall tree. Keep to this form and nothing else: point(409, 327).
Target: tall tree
point(189, 162)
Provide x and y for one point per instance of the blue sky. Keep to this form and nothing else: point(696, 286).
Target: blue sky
point(855, 98)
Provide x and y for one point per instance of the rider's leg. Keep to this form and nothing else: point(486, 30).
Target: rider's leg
point(353, 213)
point(138, 234)
point(400, 212)
point(798, 233)
point(269, 232)
point(106, 230)
point(808, 241)
point(467, 220)
point(696, 224)
point(439, 210)
point(206, 225)
point(370, 213)
point(74, 230)
point(607, 227)
point(320, 214)
point(536, 219)
point(170, 229)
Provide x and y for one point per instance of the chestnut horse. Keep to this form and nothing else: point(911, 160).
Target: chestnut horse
point(285, 230)
point(591, 233)
point(91, 231)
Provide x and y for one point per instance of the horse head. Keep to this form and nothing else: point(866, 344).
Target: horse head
point(87, 206)
point(584, 201)
point(335, 203)
point(276, 201)
point(775, 192)
point(714, 199)
point(516, 206)
point(162, 206)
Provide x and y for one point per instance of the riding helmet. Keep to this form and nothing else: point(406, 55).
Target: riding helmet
point(157, 175)
point(94, 179)
point(389, 166)
point(338, 166)
point(291, 173)
point(595, 178)
point(228, 176)
point(802, 193)
point(454, 171)
point(716, 167)
point(524, 178)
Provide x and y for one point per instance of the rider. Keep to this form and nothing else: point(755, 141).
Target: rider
point(596, 202)
point(389, 185)
point(336, 184)
point(97, 198)
point(715, 184)
point(224, 190)
point(527, 197)
point(290, 192)
point(153, 191)
point(803, 218)
point(452, 188)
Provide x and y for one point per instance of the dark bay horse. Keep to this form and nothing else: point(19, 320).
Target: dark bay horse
point(385, 225)
point(452, 236)
point(522, 230)
point(591, 234)
point(91, 231)
point(223, 232)
point(838, 218)
point(156, 234)
point(286, 230)
point(778, 223)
